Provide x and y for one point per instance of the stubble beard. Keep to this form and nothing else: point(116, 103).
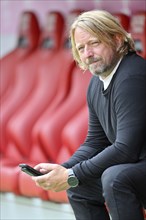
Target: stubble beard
point(100, 68)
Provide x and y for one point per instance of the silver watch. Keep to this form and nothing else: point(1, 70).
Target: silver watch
point(72, 179)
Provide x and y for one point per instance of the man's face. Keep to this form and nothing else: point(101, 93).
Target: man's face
point(99, 57)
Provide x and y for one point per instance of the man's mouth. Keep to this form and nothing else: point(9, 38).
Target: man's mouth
point(93, 60)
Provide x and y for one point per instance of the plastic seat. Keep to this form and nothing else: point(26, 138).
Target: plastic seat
point(138, 31)
point(10, 88)
point(123, 19)
point(50, 133)
point(28, 37)
point(74, 133)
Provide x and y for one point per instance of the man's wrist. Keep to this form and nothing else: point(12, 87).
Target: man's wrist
point(72, 179)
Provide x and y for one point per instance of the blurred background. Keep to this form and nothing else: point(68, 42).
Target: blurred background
point(12, 10)
point(43, 95)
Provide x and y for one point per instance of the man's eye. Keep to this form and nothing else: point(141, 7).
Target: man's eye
point(95, 43)
point(80, 48)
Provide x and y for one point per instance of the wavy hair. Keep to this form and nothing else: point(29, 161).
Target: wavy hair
point(104, 26)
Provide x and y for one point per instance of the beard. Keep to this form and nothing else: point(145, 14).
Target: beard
point(98, 67)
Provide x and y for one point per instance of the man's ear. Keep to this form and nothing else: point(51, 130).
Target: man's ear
point(118, 40)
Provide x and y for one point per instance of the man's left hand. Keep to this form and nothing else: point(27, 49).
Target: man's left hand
point(54, 178)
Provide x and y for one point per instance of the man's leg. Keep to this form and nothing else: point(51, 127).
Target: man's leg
point(87, 201)
point(124, 190)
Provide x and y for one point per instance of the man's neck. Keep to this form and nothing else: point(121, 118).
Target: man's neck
point(108, 78)
point(104, 75)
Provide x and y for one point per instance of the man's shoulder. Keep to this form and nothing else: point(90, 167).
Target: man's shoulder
point(131, 65)
point(134, 59)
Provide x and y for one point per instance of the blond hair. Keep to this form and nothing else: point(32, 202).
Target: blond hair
point(104, 26)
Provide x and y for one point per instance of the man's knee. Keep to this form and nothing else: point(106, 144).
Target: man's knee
point(112, 178)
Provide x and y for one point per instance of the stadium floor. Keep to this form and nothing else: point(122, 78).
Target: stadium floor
point(14, 207)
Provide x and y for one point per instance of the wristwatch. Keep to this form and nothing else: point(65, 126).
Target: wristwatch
point(72, 179)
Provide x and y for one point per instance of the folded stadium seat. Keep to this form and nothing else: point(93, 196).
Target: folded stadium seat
point(138, 31)
point(45, 54)
point(50, 133)
point(28, 37)
point(10, 87)
point(74, 133)
point(123, 19)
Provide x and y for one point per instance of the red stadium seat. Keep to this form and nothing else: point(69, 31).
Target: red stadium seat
point(50, 133)
point(10, 87)
point(28, 37)
point(123, 19)
point(74, 133)
point(138, 31)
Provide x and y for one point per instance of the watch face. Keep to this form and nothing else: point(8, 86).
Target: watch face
point(73, 181)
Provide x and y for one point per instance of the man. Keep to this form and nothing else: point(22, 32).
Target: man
point(110, 167)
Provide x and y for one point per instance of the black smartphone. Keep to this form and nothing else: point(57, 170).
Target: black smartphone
point(30, 170)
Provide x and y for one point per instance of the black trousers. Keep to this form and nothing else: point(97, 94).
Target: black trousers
point(122, 188)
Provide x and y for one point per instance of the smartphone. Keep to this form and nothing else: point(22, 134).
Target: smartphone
point(30, 170)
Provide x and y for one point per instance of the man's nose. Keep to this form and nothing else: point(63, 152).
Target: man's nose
point(88, 52)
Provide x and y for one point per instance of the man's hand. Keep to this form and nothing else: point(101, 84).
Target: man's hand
point(54, 178)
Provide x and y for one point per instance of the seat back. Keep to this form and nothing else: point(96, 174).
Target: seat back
point(28, 31)
point(27, 42)
point(74, 132)
point(52, 35)
point(123, 19)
